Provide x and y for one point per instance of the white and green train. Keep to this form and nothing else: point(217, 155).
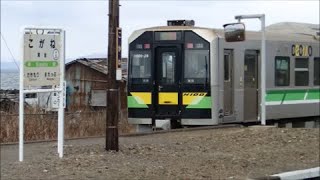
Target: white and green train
point(193, 76)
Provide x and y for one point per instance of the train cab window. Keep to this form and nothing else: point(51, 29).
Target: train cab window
point(168, 67)
point(140, 66)
point(196, 59)
point(196, 66)
point(282, 71)
point(316, 75)
point(301, 72)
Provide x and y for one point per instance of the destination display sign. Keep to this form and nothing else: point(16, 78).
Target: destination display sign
point(42, 57)
point(168, 36)
point(301, 50)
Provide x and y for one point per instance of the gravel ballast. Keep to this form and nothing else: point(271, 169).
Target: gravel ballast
point(233, 153)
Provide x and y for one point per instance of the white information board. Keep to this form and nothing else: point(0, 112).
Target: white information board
point(42, 57)
point(55, 98)
point(42, 71)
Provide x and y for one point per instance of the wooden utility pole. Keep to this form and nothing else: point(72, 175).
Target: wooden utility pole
point(112, 136)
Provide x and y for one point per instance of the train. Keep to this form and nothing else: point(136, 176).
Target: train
point(190, 76)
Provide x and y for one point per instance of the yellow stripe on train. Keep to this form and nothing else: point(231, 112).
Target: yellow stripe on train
point(192, 97)
point(142, 97)
point(168, 98)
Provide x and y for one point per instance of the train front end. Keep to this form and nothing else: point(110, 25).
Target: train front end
point(169, 79)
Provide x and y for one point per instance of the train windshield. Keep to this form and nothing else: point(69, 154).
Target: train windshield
point(140, 66)
point(196, 66)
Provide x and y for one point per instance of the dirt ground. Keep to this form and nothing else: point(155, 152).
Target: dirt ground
point(233, 153)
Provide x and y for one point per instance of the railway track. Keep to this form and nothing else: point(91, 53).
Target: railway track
point(136, 134)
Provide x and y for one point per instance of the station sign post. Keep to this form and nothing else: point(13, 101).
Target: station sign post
point(42, 70)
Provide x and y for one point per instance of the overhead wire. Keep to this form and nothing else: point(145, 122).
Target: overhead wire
point(9, 51)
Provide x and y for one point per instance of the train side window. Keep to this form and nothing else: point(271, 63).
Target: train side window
point(226, 68)
point(301, 72)
point(282, 71)
point(316, 74)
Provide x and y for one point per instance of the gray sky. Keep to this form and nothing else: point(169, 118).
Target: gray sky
point(86, 22)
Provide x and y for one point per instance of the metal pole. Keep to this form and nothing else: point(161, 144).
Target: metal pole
point(263, 71)
point(61, 100)
point(112, 136)
point(21, 111)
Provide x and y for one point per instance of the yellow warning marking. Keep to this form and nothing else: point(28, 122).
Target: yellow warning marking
point(142, 97)
point(168, 98)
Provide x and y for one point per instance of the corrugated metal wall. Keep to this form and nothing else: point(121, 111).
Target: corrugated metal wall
point(81, 80)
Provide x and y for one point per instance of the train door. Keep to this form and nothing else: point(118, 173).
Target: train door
point(228, 82)
point(167, 96)
point(250, 103)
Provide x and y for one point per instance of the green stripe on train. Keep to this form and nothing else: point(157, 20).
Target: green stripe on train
point(293, 95)
point(133, 103)
point(204, 103)
point(313, 94)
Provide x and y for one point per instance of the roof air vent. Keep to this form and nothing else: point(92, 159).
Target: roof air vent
point(180, 22)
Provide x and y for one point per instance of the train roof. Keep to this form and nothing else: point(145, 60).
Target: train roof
point(138, 32)
point(294, 27)
point(285, 31)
